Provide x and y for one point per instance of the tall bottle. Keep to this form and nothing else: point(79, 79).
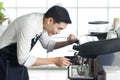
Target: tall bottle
point(114, 32)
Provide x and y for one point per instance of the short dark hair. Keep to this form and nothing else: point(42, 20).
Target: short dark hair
point(59, 14)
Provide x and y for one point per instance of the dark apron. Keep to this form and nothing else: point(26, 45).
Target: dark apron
point(10, 69)
point(9, 66)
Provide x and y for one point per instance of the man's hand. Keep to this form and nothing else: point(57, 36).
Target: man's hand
point(71, 39)
point(62, 62)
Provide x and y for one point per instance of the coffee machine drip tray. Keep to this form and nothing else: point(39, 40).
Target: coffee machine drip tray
point(75, 72)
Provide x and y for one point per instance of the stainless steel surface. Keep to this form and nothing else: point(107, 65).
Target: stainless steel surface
point(74, 73)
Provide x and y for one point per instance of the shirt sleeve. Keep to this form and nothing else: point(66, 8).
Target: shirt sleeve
point(47, 42)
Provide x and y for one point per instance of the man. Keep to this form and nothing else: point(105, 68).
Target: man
point(18, 40)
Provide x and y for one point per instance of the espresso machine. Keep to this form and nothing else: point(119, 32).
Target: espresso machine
point(85, 65)
point(82, 68)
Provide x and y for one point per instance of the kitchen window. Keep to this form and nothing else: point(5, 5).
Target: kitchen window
point(81, 12)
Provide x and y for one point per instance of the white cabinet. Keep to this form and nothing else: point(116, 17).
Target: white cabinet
point(48, 73)
point(37, 75)
point(57, 75)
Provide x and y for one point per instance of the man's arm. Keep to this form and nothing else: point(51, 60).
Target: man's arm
point(61, 44)
point(58, 61)
point(70, 40)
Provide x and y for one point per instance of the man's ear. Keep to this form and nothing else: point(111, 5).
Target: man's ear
point(50, 21)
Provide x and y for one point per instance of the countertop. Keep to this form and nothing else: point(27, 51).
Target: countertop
point(46, 67)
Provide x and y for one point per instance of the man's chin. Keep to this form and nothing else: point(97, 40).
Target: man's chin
point(50, 34)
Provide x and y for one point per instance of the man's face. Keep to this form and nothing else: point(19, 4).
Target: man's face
point(56, 28)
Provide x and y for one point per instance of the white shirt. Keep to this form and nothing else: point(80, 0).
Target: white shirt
point(21, 31)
